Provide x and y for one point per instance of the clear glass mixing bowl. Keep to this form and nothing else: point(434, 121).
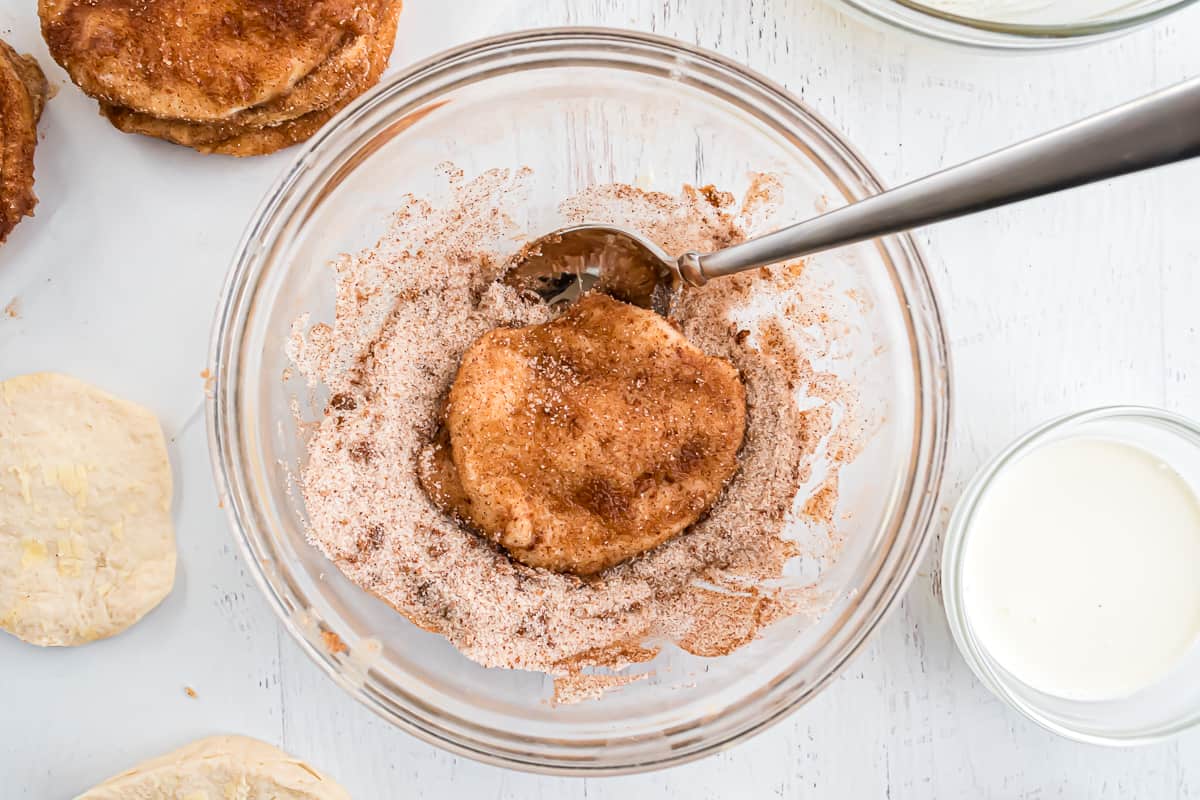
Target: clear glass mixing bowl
point(1017, 24)
point(579, 106)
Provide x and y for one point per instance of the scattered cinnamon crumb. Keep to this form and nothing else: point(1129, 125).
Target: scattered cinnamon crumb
point(209, 378)
point(333, 643)
point(13, 309)
point(578, 687)
point(823, 503)
point(190, 692)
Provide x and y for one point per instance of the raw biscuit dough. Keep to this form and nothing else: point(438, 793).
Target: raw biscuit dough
point(86, 541)
point(218, 768)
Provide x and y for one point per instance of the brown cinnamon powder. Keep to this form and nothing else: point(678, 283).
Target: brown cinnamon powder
point(409, 307)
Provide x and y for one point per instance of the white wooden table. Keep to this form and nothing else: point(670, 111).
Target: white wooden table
point(1078, 300)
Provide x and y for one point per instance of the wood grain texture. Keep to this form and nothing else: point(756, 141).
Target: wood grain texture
point(1052, 306)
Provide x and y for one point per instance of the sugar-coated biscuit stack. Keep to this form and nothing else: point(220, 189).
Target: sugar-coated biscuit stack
point(22, 96)
point(238, 77)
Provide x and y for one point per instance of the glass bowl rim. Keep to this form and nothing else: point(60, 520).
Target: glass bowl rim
point(911, 523)
point(954, 548)
point(917, 18)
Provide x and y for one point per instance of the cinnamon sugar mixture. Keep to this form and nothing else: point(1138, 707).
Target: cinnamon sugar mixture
point(406, 311)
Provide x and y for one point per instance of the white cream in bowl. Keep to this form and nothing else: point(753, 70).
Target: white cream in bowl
point(1081, 573)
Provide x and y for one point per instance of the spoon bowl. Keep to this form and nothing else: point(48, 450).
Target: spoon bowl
point(561, 266)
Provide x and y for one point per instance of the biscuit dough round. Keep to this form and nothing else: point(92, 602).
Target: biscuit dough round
point(585, 441)
point(86, 542)
point(220, 767)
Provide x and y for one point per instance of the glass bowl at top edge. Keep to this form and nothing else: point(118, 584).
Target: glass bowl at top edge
point(583, 105)
point(999, 35)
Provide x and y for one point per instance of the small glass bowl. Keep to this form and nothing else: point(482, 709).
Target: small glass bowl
point(578, 107)
point(1162, 709)
point(997, 33)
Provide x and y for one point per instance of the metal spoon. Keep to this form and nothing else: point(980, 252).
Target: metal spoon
point(1158, 129)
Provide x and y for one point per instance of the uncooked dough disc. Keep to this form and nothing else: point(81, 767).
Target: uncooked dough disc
point(86, 542)
point(217, 768)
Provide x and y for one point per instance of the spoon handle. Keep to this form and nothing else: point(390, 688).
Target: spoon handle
point(1160, 128)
